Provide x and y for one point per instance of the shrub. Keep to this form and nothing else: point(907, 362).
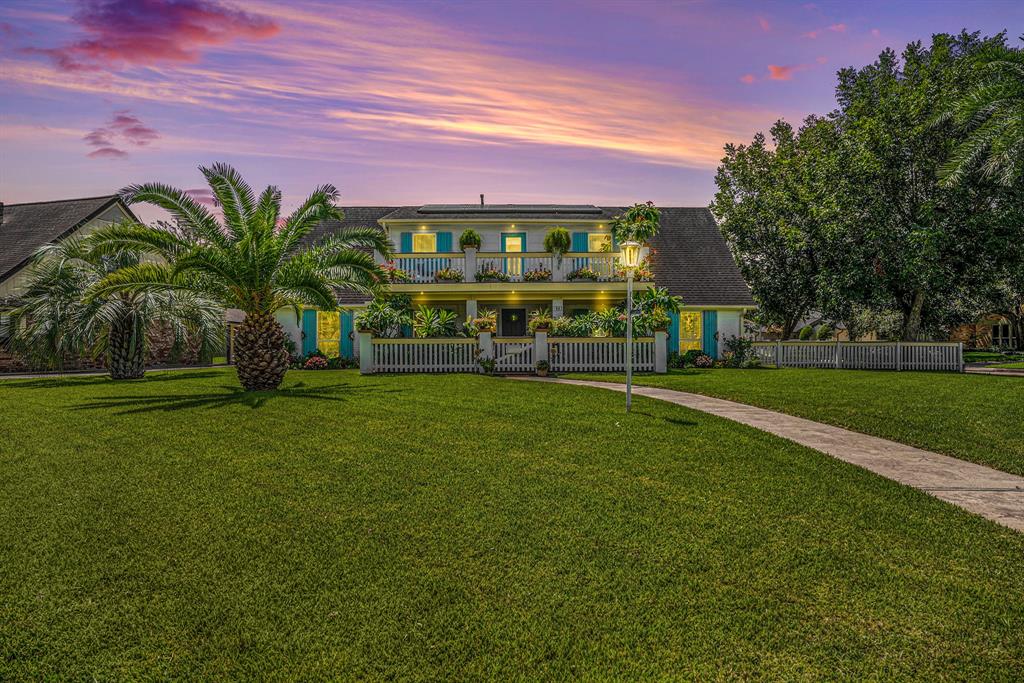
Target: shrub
point(584, 273)
point(806, 333)
point(448, 275)
point(542, 365)
point(674, 359)
point(691, 356)
point(315, 362)
point(488, 365)
point(825, 332)
point(539, 274)
point(738, 349)
point(540, 318)
point(579, 326)
point(384, 317)
point(470, 238)
point(434, 322)
point(395, 274)
point(557, 242)
point(703, 361)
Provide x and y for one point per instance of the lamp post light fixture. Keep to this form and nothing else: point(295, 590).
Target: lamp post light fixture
point(630, 260)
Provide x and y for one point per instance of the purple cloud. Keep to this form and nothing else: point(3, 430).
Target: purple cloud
point(107, 153)
point(143, 32)
point(123, 126)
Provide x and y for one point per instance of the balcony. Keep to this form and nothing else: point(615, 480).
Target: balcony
point(495, 266)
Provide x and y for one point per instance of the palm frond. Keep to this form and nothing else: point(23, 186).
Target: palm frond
point(234, 195)
point(191, 216)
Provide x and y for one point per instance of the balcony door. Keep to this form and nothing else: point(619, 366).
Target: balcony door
point(513, 242)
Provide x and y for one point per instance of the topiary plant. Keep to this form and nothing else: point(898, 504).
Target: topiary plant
point(824, 333)
point(470, 238)
point(806, 333)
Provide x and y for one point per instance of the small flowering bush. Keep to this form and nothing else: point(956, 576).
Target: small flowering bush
point(537, 275)
point(448, 275)
point(394, 273)
point(584, 273)
point(703, 361)
point(491, 274)
point(315, 363)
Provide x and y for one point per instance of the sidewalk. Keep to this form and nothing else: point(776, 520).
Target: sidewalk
point(995, 495)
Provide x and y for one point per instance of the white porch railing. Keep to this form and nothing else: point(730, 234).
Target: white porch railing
point(601, 354)
point(424, 267)
point(602, 263)
point(511, 354)
point(424, 355)
point(514, 354)
point(938, 356)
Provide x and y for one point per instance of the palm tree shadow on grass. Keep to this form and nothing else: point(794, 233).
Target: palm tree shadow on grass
point(231, 395)
point(72, 380)
point(672, 420)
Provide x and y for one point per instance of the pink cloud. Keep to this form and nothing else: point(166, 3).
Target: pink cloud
point(781, 73)
point(875, 32)
point(107, 153)
point(811, 34)
point(143, 32)
point(838, 28)
point(821, 60)
point(747, 78)
point(123, 125)
point(765, 24)
point(203, 196)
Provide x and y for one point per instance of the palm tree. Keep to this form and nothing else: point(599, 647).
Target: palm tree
point(250, 260)
point(58, 317)
point(993, 112)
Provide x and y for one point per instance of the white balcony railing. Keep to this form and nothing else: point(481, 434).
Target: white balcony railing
point(496, 266)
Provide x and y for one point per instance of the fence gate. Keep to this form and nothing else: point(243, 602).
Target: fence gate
point(514, 354)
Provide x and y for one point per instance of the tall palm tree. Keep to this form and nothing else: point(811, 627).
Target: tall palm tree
point(58, 317)
point(993, 112)
point(249, 260)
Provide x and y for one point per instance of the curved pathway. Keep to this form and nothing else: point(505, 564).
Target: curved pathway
point(995, 495)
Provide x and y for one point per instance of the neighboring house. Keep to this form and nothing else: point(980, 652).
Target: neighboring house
point(689, 257)
point(992, 330)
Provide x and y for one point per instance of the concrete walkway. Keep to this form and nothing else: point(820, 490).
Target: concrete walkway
point(995, 495)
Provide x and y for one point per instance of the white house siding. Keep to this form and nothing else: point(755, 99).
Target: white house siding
point(729, 325)
point(291, 324)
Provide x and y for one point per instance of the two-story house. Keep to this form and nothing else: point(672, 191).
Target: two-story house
point(512, 274)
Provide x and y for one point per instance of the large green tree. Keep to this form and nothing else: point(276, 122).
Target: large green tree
point(778, 206)
point(919, 240)
point(58, 317)
point(251, 259)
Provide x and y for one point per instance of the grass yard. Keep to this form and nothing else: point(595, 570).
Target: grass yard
point(465, 527)
point(974, 417)
point(1013, 366)
point(989, 356)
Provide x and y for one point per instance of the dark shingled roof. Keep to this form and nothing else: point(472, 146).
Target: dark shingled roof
point(355, 217)
point(693, 261)
point(500, 212)
point(27, 227)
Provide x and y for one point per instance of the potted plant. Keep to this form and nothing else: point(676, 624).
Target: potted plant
point(557, 242)
point(491, 274)
point(584, 273)
point(448, 275)
point(469, 239)
point(538, 274)
point(540, 320)
point(542, 368)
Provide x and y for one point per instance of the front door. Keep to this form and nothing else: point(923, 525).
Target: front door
point(513, 322)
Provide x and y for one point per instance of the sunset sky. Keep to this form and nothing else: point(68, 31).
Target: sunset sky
point(412, 102)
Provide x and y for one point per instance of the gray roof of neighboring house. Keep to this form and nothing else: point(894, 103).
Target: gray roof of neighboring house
point(27, 227)
point(355, 217)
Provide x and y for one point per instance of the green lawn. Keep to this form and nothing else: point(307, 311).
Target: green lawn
point(988, 356)
point(1014, 366)
point(975, 417)
point(465, 527)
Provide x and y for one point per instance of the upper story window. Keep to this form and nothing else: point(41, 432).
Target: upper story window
point(598, 241)
point(424, 242)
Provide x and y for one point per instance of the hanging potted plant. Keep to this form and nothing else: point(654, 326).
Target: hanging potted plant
point(557, 242)
point(469, 239)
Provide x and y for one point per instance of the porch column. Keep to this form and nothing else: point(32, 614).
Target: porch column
point(661, 351)
point(470, 274)
point(365, 352)
point(486, 347)
point(540, 345)
point(557, 309)
point(471, 308)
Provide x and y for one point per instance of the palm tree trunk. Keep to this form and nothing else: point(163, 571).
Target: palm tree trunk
point(126, 352)
point(260, 355)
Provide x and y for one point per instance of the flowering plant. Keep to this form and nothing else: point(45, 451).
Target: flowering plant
point(539, 274)
point(315, 363)
point(491, 274)
point(394, 273)
point(584, 273)
point(448, 275)
point(703, 361)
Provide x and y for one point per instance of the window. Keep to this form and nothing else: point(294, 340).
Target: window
point(599, 241)
point(1001, 335)
point(689, 331)
point(328, 333)
point(424, 242)
point(513, 243)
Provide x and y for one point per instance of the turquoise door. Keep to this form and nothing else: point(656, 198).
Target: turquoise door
point(709, 339)
point(308, 332)
point(347, 328)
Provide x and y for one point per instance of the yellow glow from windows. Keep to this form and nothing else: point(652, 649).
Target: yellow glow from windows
point(424, 243)
point(328, 333)
point(599, 242)
point(690, 329)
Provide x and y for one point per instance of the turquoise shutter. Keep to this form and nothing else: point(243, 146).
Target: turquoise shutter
point(405, 246)
point(347, 327)
point(444, 241)
point(308, 332)
point(709, 340)
point(673, 332)
point(580, 241)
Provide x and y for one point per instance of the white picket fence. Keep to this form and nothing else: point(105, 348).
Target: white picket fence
point(939, 356)
point(425, 355)
point(514, 354)
point(600, 354)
